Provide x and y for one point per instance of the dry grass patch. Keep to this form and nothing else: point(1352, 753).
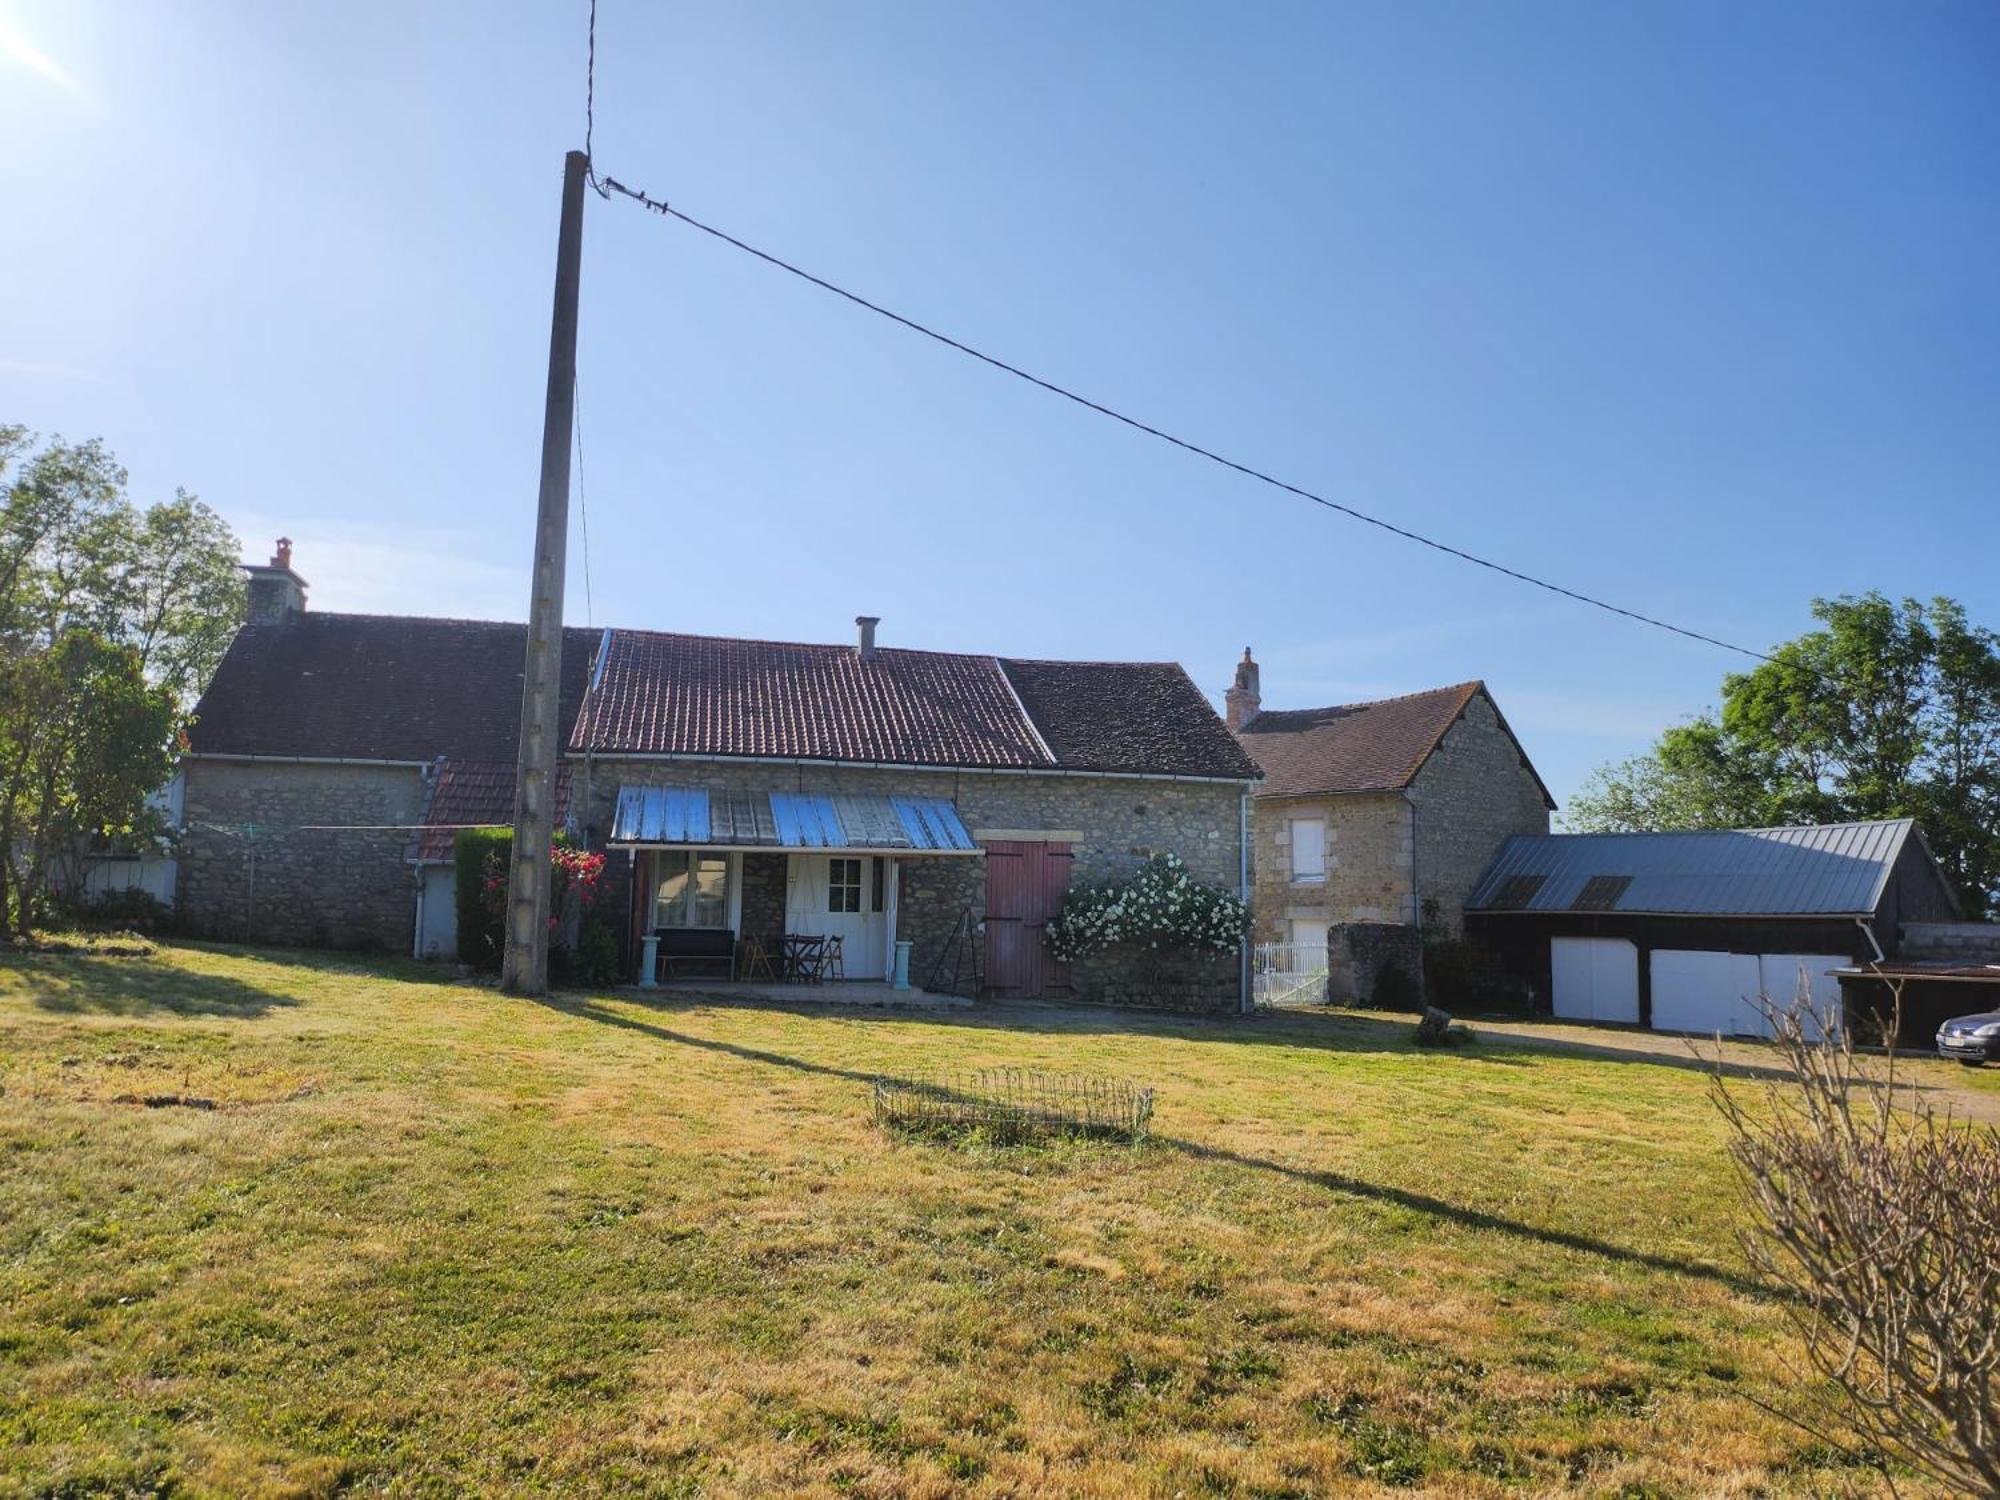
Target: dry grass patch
point(441, 1241)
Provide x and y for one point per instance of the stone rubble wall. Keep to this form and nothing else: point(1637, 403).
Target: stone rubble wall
point(1369, 855)
point(310, 855)
point(1473, 793)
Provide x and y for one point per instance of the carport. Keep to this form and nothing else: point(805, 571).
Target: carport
point(1692, 931)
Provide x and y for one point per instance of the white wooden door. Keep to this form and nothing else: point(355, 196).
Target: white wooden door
point(844, 896)
point(1702, 992)
point(1594, 979)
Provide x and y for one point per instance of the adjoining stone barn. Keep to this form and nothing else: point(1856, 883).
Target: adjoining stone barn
point(741, 789)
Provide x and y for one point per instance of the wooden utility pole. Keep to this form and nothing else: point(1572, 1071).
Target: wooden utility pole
point(525, 970)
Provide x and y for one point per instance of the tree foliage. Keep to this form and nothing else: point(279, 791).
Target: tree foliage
point(1887, 710)
point(112, 617)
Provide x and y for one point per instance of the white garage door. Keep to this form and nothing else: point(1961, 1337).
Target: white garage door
point(1703, 992)
point(1780, 974)
point(1594, 979)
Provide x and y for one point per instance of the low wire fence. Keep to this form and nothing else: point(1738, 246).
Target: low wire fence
point(1016, 1104)
point(1288, 974)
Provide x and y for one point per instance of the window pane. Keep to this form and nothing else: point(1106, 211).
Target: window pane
point(710, 905)
point(670, 868)
point(843, 885)
point(1308, 848)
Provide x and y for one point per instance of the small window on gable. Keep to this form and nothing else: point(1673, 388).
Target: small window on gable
point(1308, 849)
point(1516, 891)
point(1601, 893)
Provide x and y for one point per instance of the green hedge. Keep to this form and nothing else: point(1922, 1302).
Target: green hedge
point(480, 855)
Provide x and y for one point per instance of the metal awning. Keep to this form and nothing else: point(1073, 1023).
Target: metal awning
point(698, 817)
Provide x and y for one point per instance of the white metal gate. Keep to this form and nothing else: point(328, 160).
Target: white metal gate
point(1288, 974)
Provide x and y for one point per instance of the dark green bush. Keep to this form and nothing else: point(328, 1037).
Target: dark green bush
point(480, 856)
point(1472, 979)
point(131, 910)
point(597, 958)
point(1395, 989)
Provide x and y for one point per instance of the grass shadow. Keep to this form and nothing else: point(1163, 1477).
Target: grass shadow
point(84, 985)
point(354, 963)
point(1335, 1182)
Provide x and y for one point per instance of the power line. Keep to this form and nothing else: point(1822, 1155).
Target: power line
point(607, 185)
point(590, 93)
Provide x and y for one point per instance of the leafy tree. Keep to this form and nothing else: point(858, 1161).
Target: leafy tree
point(112, 618)
point(85, 739)
point(1888, 710)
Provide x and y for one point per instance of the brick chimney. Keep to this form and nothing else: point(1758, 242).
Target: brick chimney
point(1243, 700)
point(865, 646)
point(276, 592)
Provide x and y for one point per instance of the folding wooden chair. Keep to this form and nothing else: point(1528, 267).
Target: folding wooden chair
point(831, 964)
point(757, 960)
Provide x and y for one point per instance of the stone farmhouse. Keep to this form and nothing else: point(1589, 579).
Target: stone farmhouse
point(1375, 817)
point(740, 787)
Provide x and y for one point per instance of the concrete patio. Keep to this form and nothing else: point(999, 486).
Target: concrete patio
point(832, 993)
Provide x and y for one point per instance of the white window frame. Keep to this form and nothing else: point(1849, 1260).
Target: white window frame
point(1313, 873)
point(730, 865)
point(836, 883)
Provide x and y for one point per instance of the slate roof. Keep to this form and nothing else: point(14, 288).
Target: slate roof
point(473, 794)
point(1355, 747)
point(1834, 869)
point(377, 687)
point(661, 693)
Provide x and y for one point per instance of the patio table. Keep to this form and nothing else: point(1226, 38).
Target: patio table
point(801, 954)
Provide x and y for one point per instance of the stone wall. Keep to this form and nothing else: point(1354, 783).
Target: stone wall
point(282, 852)
point(1473, 792)
point(1206, 983)
point(1369, 853)
point(1117, 822)
point(763, 893)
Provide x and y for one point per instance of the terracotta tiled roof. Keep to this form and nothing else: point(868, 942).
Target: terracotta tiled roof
point(1126, 716)
point(706, 695)
point(1352, 747)
point(388, 687)
point(377, 687)
point(474, 793)
point(702, 695)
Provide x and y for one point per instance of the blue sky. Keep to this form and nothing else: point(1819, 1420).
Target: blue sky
point(1692, 306)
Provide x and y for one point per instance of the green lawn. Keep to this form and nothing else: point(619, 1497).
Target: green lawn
point(435, 1241)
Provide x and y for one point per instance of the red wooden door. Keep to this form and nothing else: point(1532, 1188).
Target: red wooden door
point(1025, 883)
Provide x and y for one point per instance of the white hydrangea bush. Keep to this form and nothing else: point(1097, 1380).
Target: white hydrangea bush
point(1161, 906)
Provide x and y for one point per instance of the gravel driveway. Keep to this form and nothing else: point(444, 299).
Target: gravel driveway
point(1972, 1094)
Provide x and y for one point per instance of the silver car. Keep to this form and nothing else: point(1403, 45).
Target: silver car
point(1971, 1040)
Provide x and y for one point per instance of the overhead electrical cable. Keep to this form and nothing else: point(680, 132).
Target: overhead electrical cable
point(608, 186)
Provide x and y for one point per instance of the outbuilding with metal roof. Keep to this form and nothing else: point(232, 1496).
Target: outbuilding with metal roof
point(1699, 930)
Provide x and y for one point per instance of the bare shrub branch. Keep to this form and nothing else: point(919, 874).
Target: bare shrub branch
point(1881, 1218)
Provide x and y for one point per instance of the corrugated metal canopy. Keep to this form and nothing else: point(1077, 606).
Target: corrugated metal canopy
point(788, 820)
point(1837, 869)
